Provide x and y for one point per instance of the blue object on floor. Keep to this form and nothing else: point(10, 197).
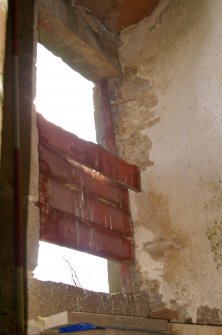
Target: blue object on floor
point(77, 327)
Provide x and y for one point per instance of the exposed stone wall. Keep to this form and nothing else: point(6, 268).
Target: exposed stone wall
point(167, 112)
point(47, 298)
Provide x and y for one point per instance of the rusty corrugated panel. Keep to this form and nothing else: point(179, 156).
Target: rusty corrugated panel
point(88, 154)
point(83, 205)
point(80, 207)
point(56, 167)
point(72, 232)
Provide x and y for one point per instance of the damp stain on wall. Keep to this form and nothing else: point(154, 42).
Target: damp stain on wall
point(214, 234)
point(208, 316)
point(213, 209)
point(168, 62)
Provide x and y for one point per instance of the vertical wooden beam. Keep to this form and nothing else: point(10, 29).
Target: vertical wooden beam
point(103, 116)
point(119, 274)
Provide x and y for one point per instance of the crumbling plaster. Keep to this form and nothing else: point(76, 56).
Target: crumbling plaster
point(167, 119)
point(167, 116)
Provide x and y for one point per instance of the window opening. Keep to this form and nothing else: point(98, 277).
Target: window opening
point(72, 267)
point(65, 98)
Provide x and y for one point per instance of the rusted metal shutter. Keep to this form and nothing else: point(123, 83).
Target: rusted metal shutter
point(83, 195)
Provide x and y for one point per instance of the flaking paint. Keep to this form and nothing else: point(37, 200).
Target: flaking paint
point(175, 55)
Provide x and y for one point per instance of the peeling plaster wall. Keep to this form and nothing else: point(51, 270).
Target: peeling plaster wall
point(167, 115)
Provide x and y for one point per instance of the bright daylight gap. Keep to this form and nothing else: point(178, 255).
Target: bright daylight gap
point(65, 98)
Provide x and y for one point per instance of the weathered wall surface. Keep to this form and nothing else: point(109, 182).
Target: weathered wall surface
point(47, 298)
point(168, 120)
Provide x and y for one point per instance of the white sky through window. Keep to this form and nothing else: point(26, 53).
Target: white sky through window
point(71, 267)
point(65, 98)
